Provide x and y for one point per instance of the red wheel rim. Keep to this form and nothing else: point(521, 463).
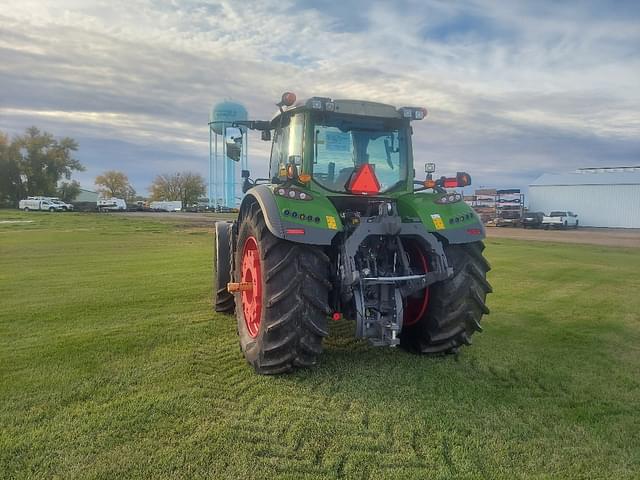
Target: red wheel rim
point(418, 301)
point(251, 272)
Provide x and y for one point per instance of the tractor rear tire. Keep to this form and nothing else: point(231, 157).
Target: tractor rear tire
point(283, 318)
point(456, 305)
point(224, 301)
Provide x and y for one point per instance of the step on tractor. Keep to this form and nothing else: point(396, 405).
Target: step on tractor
point(342, 229)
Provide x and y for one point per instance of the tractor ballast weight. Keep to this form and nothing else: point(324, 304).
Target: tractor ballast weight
point(342, 228)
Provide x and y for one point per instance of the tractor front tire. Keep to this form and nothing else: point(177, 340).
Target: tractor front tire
point(282, 318)
point(456, 305)
point(224, 301)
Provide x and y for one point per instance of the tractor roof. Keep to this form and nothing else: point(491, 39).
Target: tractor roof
point(354, 107)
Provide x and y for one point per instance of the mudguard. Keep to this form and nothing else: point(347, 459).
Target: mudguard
point(456, 222)
point(314, 222)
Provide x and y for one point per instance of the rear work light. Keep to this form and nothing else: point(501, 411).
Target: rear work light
point(449, 198)
point(413, 113)
point(321, 103)
point(292, 193)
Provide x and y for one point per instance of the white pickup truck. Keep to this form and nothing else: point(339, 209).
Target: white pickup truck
point(560, 219)
point(39, 203)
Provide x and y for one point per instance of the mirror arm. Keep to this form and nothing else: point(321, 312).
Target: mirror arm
point(253, 124)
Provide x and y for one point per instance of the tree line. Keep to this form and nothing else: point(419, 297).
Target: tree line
point(36, 164)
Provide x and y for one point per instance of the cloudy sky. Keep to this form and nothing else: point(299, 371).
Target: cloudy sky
point(513, 89)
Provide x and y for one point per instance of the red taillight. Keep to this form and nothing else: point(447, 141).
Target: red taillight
point(294, 231)
point(474, 231)
point(462, 179)
point(364, 181)
point(450, 183)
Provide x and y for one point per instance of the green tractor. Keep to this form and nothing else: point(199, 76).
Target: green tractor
point(341, 228)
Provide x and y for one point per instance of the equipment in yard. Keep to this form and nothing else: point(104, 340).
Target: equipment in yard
point(341, 229)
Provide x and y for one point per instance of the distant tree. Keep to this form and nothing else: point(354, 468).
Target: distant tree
point(45, 161)
point(115, 184)
point(193, 187)
point(68, 191)
point(165, 187)
point(184, 186)
point(34, 163)
point(11, 189)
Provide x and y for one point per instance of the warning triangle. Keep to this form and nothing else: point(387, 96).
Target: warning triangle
point(364, 181)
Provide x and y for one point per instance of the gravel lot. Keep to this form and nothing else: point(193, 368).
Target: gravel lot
point(616, 237)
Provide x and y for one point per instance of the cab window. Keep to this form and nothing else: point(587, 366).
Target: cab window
point(342, 145)
point(287, 146)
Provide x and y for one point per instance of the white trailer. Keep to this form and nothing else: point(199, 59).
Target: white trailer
point(111, 204)
point(166, 206)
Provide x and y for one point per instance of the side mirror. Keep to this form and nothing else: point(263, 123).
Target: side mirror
point(266, 135)
point(429, 167)
point(463, 178)
point(246, 183)
point(233, 140)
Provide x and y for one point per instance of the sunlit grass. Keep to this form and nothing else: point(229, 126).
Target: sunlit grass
point(113, 365)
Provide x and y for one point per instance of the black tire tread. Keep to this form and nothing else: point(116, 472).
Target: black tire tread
point(456, 305)
point(295, 309)
point(224, 301)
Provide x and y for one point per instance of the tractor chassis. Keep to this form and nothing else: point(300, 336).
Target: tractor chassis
point(378, 299)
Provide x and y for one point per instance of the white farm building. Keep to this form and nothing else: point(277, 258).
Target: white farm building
point(602, 197)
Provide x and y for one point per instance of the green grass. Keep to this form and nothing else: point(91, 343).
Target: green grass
point(112, 365)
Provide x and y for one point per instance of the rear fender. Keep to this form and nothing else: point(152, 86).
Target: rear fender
point(325, 222)
point(456, 222)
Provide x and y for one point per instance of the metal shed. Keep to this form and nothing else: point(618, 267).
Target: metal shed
point(86, 196)
point(602, 197)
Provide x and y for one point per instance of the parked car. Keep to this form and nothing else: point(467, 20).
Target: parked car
point(111, 204)
point(508, 218)
point(39, 203)
point(560, 219)
point(532, 220)
point(66, 207)
point(225, 209)
point(139, 206)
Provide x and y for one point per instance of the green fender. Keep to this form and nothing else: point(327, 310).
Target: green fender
point(456, 222)
point(313, 221)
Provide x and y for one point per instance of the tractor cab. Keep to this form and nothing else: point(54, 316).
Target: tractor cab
point(344, 146)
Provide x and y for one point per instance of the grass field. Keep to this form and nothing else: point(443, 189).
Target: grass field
point(112, 365)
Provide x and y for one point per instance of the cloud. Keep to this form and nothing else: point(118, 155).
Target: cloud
point(513, 90)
